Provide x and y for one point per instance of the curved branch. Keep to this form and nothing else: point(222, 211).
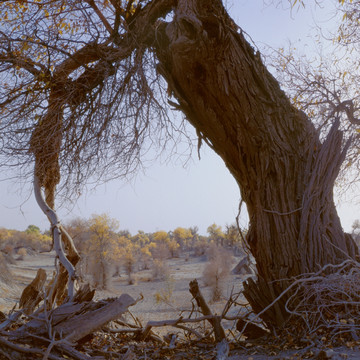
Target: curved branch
point(56, 229)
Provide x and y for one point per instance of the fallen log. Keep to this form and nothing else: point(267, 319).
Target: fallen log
point(72, 321)
point(75, 328)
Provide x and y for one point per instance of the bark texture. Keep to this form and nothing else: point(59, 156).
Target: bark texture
point(285, 174)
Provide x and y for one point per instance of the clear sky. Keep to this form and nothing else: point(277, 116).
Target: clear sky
point(171, 195)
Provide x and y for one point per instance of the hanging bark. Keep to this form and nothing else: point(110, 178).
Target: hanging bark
point(285, 174)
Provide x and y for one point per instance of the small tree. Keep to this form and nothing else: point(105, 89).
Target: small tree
point(102, 248)
point(216, 234)
point(182, 236)
point(129, 260)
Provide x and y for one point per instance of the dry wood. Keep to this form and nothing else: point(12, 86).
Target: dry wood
point(56, 228)
point(250, 330)
point(215, 321)
point(33, 293)
point(81, 325)
point(84, 294)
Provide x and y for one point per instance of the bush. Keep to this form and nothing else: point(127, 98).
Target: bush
point(129, 261)
point(217, 270)
point(99, 272)
point(160, 270)
point(5, 273)
point(22, 252)
point(165, 294)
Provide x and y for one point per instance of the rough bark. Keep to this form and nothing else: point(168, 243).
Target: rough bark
point(285, 174)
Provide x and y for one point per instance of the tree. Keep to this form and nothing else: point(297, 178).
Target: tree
point(102, 248)
point(234, 238)
point(98, 95)
point(285, 173)
point(33, 229)
point(216, 234)
point(182, 236)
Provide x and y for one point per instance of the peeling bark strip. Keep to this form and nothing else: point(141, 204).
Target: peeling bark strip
point(285, 174)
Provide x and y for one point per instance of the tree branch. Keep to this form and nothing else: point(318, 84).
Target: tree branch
point(56, 228)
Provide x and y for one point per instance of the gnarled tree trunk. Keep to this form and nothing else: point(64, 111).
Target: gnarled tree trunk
point(285, 174)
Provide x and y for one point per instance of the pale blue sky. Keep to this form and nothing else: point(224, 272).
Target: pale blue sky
point(172, 195)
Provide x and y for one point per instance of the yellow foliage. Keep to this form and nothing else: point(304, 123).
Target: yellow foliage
point(103, 239)
point(161, 237)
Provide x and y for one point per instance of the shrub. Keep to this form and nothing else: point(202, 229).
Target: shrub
point(22, 252)
point(5, 273)
point(165, 294)
point(217, 270)
point(160, 270)
point(99, 272)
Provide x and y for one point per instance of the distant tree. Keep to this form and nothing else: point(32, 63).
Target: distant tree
point(216, 234)
point(234, 238)
point(125, 233)
point(201, 245)
point(161, 237)
point(33, 229)
point(174, 248)
point(182, 236)
point(141, 238)
point(79, 230)
point(102, 249)
point(146, 255)
point(129, 260)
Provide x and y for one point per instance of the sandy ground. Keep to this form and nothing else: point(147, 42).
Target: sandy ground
point(181, 273)
point(177, 285)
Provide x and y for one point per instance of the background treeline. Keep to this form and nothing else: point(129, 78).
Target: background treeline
point(15, 242)
point(107, 252)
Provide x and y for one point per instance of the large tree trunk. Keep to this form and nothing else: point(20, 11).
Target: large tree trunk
point(285, 174)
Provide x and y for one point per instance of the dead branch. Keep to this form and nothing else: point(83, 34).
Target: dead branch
point(80, 326)
point(17, 352)
point(215, 321)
